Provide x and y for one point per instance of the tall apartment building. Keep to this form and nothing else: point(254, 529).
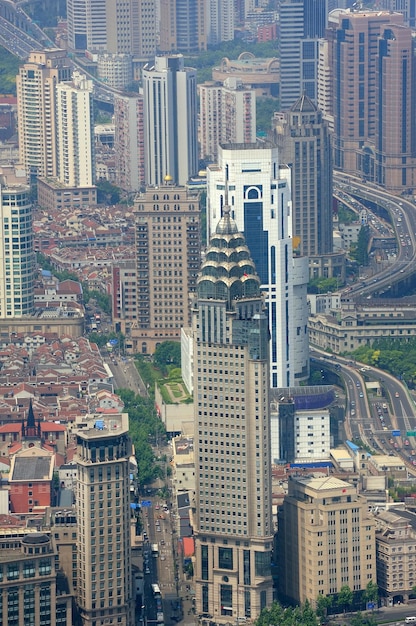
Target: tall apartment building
point(36, 106)
point(129, 141)
point(104, 581)
point(17, 264)
point(182, 26)
point(227, 114)
point(406, 7)
point(373, 98)
point(119, 27)
point(30, 590)
point(234, 529)
point(326, 539)
point(220, 21)
point(259, 196)
point(303, 434)
point(170, 120)
point(75, 132)
point(304, 144)
point(168, 249)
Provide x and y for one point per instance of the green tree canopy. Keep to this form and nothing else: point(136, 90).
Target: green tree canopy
point(167, 353)
point(276, 615)
point(345, 597)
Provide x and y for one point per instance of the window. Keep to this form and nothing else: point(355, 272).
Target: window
point(225, 558)
point(262, 563)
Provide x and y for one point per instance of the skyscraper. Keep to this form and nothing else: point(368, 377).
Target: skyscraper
point(304, 142)
point(182, 26)
point(234, 529)
point(170, 120)
point(129, 141)
point(220, 21)
point(104, 583)
point(259, 196)
point(75, 130)
point(374, 97)
point(36, 107)
point(227, 115)
point(118, 27)
point(17, 263)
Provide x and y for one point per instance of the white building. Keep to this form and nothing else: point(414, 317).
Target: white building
point(312, 435)
point(170, 120)
point(75, 132)
point(259, 196)
point(17, 261)
point(187, 359)
point(219, 21)
point(115, 70)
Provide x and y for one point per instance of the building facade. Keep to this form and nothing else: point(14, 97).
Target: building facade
point(168, 249)
point(170, 120)
point(30, 590)
point(227, 115)
point(326, 539)
point(259, 196)
point(182, 26)
point(36, 105)
point(129, 141)
point(104, 580)
point(75, 132)
point(219, 21)
point(234, 529)
point(17, 265)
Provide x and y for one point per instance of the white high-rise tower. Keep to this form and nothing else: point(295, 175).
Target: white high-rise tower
point(260, 200)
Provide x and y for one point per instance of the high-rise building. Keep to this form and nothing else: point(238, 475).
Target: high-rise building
point(326, 540)
point(104, 581)
point(406, 7)
point(75, 132)
point(129, 141)
point(220, 21)
point(373, 98)
point(170, 120)
point(227, 115)
point(182, 26)
point(259, 196)
point(168, 249)
point(36, 107)
point(304, 144)
point(17, 265)
point(118, 27)
point(234, 529)
point(301, 25)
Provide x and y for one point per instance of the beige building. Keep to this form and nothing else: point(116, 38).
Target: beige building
point(358, 324)
point(168, 247)
point(326, 539)
point(395, 551)
point(104, 578)
point(263, 75)
point(30, 590)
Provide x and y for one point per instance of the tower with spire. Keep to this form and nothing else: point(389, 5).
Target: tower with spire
point(232, 429)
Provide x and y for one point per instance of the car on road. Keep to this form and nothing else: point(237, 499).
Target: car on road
point(361, 394)
point(397, 395)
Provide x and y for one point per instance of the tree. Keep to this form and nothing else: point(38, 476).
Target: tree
point(363, 620)
point(345, 597)
point(167, 353)
point(360, 252)
point(322, 605)
point(371, 593)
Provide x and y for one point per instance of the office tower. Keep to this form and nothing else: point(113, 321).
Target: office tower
point(182, 26)
point(170, 120)
point(75, 128)
point(301, 25)
point(119, 27)
point(326, 539)
point(219, 21)
point(36, 106)
point(104, 581)
point(129, 141)
point(406, 7)
point(116, 70)
point(168, 245)
point(234, 529)
point(304, 144)
point(355, 108)
point(325, 94)
point(395, 144)
point(259, 196)
point(227, 114)
point(31, 591)
point(17, 264)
